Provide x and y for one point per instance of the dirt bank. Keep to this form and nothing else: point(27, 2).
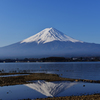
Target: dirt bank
point(14, 80)
point(87, 97)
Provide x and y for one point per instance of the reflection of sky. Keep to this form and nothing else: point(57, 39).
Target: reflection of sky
point(42, 89)
point(79, 89)
point(13, 75)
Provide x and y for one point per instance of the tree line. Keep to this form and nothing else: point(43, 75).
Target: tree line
point(53, 59)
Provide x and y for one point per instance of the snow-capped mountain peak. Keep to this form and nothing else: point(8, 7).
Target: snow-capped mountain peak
point(49, 35)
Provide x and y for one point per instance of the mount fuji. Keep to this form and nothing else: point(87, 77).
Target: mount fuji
point(49, 35)
point(49, 42)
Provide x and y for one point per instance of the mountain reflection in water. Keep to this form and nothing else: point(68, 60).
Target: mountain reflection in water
point(50, 89)
point(42, 89)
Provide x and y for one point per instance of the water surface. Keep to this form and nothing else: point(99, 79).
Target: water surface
point(82, 70)
point(42, 89)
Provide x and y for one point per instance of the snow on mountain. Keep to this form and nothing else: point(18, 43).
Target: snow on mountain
point(51, 43)
point(49, 35)
point(50, 88)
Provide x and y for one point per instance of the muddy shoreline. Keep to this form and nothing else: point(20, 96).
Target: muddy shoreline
point(16, 80)
point(83, 97)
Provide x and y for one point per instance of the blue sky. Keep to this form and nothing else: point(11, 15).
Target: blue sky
point(20, 19)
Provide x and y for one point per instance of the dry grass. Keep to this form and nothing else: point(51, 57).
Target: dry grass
point(14, 80)
point(87, 97)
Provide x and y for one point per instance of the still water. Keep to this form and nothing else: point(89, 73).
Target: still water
point(80, 70)
point(43, 89)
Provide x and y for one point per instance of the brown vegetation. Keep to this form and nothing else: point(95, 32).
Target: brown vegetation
point(14, 80)
point(87, 97)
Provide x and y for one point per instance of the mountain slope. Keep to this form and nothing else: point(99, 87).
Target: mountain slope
point(49, 42)
point(49, 35)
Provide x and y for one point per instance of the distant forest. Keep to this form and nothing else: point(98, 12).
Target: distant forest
point(53, 59)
